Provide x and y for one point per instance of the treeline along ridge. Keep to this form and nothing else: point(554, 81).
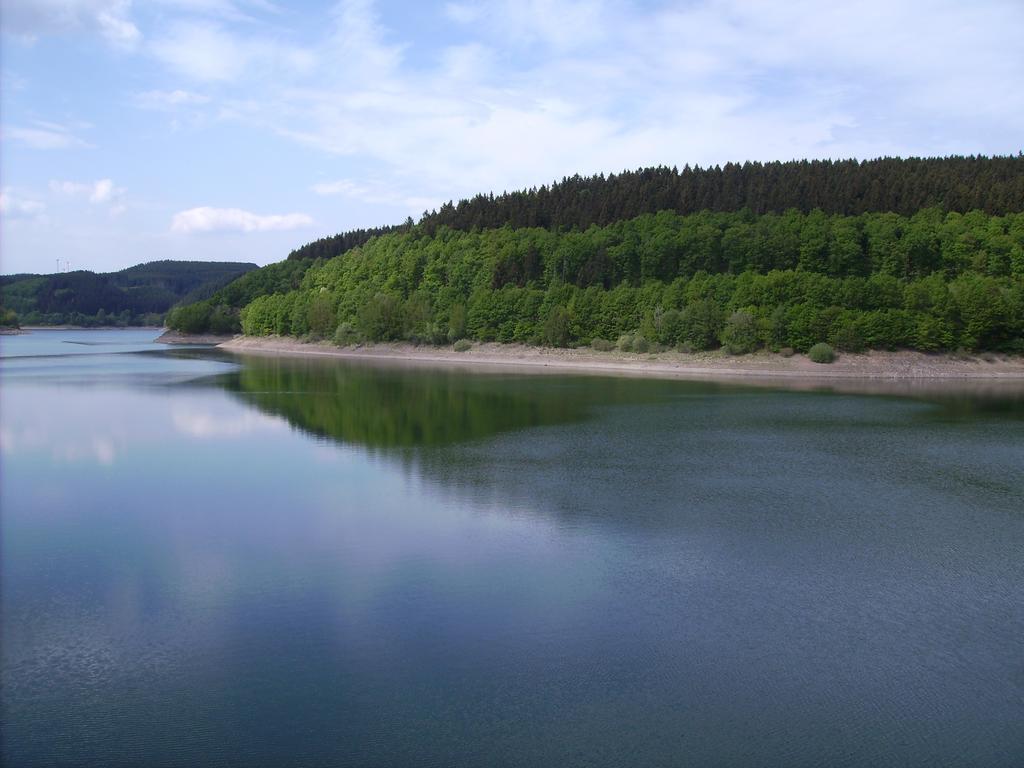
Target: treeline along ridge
point(940, 267)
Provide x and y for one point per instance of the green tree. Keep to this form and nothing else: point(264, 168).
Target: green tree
point(740, 334)
point(556, 327)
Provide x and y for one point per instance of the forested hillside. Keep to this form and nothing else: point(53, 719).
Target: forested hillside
point(335, 245)
point(927, 254)
point(930, 281)
point(992, 185)
point(133, 296)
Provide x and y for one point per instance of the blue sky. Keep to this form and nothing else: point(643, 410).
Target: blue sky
point(240, 129)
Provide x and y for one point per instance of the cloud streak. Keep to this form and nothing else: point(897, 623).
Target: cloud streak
point(206, 52)
point(44, 135)
point(167, 101)
point(16, 206)
point(100, 191)
point(205, 219)
point(554, 87)
point(31, 19)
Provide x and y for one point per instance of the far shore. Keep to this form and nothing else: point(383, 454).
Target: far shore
point(176, 337)
point(67, 327)
point(905, 367)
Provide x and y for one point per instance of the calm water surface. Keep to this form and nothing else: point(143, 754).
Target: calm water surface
point(289, 562)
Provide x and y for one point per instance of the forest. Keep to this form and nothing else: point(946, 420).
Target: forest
point(993, 185)
point(930, 281)
point(899, 185)
point(139, 295)
point(939, 265)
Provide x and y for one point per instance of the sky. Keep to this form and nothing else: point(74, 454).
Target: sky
point(237, 130)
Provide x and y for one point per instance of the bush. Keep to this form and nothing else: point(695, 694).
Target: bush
point(346, 335)
point(380, 319)
point(671, 324)
point(437, 334)
point(457, 322)
point(787, 352)
point(602, 345)
point(821, 353)
point(625, 343)
point(700, 324)
point(933, 333)
point(740, 334)
point(556, 327)
point(847, 336)
point(462, 345)
point(640, 344)
point(685, 348)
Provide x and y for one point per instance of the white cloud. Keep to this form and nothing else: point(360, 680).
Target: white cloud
point(235, 219)
point(600, 86)
point(99, 191)
point(207, 52)
point(44, 135)
point(16, 206)
point(559, 24)
point(115, 27)
point(340, 187)
point(170, 100)
point(356, 50)
point(70, 188)
point(225, 9)
point(374, 193)
point(102, 191)
point(30, 19)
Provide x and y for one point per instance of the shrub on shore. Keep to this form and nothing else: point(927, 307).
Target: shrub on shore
point(602, 345)
point(346, 335)
point(821, 353)
point(462, 345)
point(740, 334)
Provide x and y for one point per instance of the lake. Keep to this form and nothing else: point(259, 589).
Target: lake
point(267, 562)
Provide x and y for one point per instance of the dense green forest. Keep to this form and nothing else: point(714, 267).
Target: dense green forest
point(990, 184)
point(993, 185)
point(335, 245)
point(138, 295)
point(220, 312)
point(930, 281)
point(934, 261)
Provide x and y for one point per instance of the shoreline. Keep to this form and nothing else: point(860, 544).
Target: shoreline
point(176, 337)
point(875, 366)
point(29, 328)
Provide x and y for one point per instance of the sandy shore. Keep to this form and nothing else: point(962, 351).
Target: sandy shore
point(880, 366)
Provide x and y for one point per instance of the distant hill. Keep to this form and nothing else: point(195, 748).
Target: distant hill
point(138, 295)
